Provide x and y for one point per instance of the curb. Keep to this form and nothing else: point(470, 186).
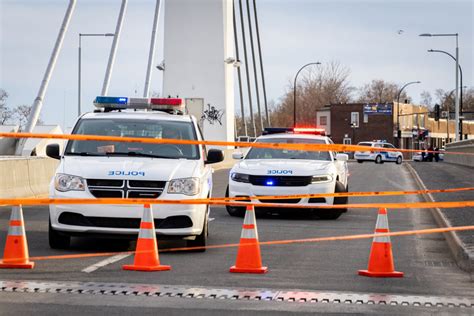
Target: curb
point(463, 257)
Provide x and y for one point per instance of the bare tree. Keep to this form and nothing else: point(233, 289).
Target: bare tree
point(445, 98)
point(5, 112)
point(21, 114)
point(316, 87)
point(426, 99)
point(380, 91)
point(468, 100)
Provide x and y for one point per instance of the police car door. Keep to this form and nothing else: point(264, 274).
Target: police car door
point(391, 155)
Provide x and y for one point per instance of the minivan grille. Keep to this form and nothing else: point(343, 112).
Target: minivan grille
point(105, 188)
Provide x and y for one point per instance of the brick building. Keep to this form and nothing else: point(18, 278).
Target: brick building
point(351, 123)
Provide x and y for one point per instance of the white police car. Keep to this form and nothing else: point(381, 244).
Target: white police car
point(380, 156)
point(102, 169)
point(266, 172)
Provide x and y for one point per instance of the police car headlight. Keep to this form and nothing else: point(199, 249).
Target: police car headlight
point(240, 177)
point(67, 182)
point(321, 178)
point(187, 186)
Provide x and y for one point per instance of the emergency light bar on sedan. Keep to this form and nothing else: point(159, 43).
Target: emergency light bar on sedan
point(294, 130)
point(122, 103)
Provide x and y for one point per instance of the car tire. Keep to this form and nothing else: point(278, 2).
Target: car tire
point(236, 211)
point(399, 160)
point(57, 240)
point(335, 213)
point(378, 159)
point(359, 161)
point(201, 240)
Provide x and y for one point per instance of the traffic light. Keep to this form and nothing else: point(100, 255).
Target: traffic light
point(436, 112)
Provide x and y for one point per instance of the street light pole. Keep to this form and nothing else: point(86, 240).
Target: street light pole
point(294, 89)
point(79, 71)
point(460, 82)
point(456, 109)
point(447, 109)
point(399, 132)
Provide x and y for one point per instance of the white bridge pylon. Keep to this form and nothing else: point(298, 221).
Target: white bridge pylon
point(198, 60)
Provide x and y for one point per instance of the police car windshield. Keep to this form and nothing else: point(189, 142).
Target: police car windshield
point(134, 128)
point(268, 153)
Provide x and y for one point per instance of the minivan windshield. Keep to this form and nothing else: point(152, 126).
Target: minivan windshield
point(269, 153)
point(134, 128)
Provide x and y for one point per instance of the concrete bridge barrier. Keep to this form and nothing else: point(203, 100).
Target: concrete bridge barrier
point(25, 176)
point(464, 146)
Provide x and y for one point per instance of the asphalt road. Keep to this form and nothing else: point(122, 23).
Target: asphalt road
point(321, 267)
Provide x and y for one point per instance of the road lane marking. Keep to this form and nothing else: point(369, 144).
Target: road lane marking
point(105, 262)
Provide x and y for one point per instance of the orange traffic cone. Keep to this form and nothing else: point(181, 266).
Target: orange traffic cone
point(146, 254)
point(381, 258)
point(248, 256)
point(15, 255)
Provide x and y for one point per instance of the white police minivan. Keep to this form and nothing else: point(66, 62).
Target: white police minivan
point(104, 169)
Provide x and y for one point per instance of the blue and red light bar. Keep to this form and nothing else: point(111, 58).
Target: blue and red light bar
point(309, 130)
point(294, 130)
point(122, 103)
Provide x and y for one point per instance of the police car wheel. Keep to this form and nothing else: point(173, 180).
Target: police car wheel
point(378, 159)
point(337, 212)
point(399, 160)
point(360, 161)
point(234, 210)
point(201, 240)
point(57, 240)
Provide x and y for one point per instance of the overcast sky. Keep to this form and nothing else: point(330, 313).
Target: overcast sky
point(361, 35)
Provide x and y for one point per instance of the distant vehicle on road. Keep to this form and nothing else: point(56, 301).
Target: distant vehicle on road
point(418, 156)
point(112, 169)
point(425, 156)
point(380, 156)
point(266, 172)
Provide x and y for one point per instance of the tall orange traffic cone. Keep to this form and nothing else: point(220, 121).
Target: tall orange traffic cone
point(381, 258)
point(146, 254)
point(15, 255)
point(248, 255)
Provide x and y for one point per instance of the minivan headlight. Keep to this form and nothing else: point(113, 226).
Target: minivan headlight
point(187, 186)
point(240, 177)
point(321, 178)
point(67, 182)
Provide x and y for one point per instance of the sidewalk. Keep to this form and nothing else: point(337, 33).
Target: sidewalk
point(441, 175)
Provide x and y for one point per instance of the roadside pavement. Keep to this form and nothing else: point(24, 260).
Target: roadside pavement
point(442, 175)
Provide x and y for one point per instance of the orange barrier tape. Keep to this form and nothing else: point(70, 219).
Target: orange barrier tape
point(302, 196)
point(102, 201)
point(274, 242)
point(308, 147)
point(343, 194)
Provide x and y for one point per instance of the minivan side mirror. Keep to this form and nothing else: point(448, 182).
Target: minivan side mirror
point(214, 156)
point(342, 157)
point(52, 151)
point(237, 155)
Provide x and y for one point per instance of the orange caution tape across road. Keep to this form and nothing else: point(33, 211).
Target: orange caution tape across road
point(307, 147)
point(341, 194)
point(273, 242)
point(102, 201)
